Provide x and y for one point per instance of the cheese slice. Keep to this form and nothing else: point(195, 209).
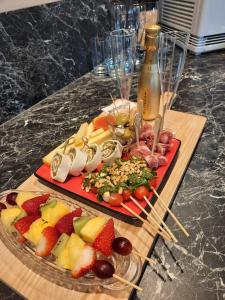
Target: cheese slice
point(90, 129)
point(82, 131)
point(97, 137)
point(100, 138)
point(96, 132)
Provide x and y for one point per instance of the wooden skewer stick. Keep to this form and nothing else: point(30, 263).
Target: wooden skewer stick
point(127, 282)
point(156, 133)
point(150, 228)
point(150, 260)
point(114, 103)
point(164, 234)
point(161, 220)
point(170, 212)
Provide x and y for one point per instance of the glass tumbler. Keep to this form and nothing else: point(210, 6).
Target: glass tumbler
point(98, 52)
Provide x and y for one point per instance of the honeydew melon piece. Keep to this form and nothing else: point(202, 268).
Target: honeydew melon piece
point(60, 245)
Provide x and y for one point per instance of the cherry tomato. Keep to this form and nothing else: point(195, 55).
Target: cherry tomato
point(153, 182)
point(126, 195)
point(115, 199)
point(141, 192)
point(100, 166)
point(125, 157)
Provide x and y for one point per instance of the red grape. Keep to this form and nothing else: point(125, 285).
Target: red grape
point(122, 246)
point(2, 206)
point(103, 269)
point(11, 198)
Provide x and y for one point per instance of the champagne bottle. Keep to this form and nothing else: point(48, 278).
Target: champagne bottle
point(149, 82)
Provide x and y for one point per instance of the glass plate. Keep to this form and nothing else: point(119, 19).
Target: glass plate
point(128, 267)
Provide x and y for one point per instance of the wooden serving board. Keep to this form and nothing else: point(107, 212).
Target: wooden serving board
point(188, 129)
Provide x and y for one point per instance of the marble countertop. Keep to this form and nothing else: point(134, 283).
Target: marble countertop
point(195, 268)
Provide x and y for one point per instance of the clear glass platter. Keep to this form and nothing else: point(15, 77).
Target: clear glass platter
point(128, 267)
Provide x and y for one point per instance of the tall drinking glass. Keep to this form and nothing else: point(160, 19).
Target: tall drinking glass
point(172, 55)
point(118, 15)
point(136, 19)
point(123, 43)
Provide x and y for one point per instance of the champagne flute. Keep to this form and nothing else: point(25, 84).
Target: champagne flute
point(123, 42)
point(171, 59)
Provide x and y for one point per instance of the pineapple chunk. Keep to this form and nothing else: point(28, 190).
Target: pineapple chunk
point(24, 196)
point(53, 214)
point(63, 259)
point(75, 246)
point(92, 229)
point(8, 216)
point(34, 233)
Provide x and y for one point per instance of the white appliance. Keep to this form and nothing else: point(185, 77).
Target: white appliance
point(203, 19)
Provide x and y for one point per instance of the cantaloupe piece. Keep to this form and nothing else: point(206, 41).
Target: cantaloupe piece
point(103, 122)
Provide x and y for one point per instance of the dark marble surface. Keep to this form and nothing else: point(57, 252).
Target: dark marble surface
point(194, 268)
point(44, 48)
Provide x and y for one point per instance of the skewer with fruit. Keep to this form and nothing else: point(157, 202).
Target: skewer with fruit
point(76, 241)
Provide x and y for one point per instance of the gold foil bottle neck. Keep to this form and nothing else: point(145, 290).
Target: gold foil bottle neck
point(151, 37)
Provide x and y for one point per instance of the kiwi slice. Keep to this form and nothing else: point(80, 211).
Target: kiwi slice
point(60, 245)
point(79, 223)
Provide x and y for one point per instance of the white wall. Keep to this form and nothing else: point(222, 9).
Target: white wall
point(8, 5)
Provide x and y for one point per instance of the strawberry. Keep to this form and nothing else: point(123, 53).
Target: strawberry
point(49, 238)
point(85, 262)
point(23, 224)
point(103, 241)
point(65, 224)
point(32, 206)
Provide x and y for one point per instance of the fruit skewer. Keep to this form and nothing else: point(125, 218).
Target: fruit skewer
point(44, 219)
point(164, 232)
point(151, 229)
point(124, 247)
point(170, 212)
point(160, 219)
point(104, 269)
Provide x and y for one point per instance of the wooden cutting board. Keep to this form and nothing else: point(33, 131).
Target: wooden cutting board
point(188, 129)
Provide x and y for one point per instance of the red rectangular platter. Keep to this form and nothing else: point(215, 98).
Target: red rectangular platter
point(72, 187)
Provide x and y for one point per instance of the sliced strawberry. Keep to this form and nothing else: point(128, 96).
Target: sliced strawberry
point(103, 241)
point(85, 262)
point(65, 224)
point(23, 224)
point(49, 238)
point(32, 206)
